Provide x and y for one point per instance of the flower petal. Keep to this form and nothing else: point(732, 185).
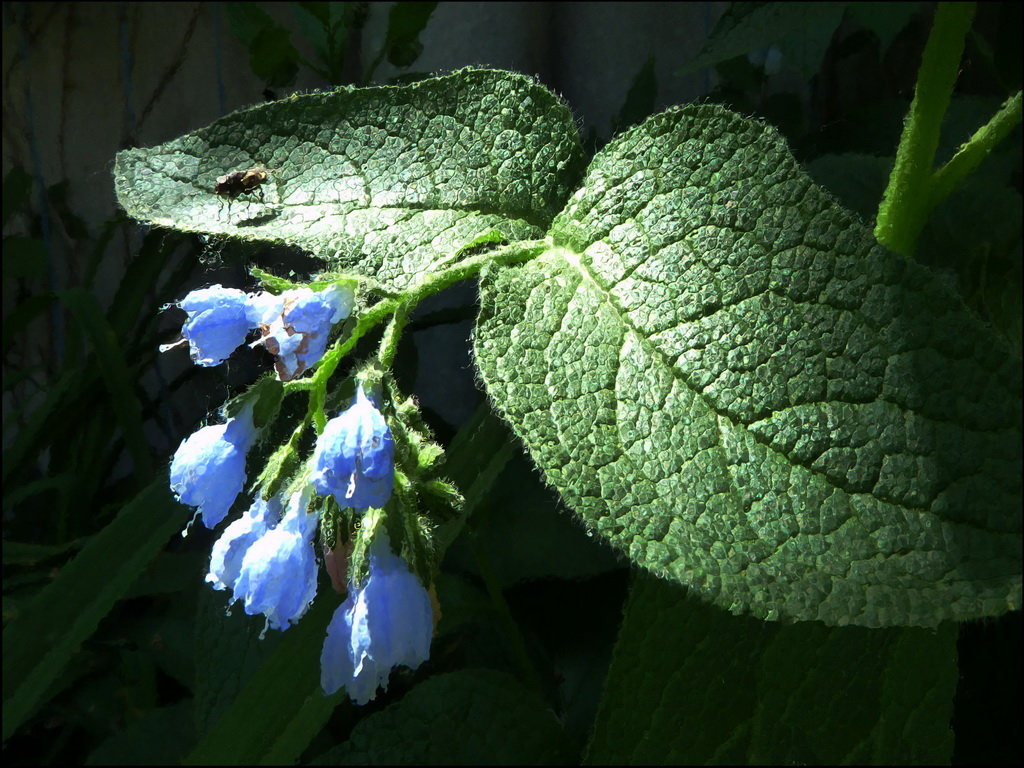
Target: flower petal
point(230, 548)
point(297, 323)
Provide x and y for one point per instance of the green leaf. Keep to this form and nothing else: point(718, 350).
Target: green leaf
point(131, 309)
point(21, 553)
point(228, 652)
point(803, 32)
point(266, 396)
point(405, 23)
point(386, 182)
point(281, 707)
point(885, 19)
point(482, 243)
point(769, 694)
point(36, 431)
point(115, 373)
point(723, 374)
point(272, 57)
point(475, 460)
point(40, 642)
point(461, 718)
point(62, 483)
point(159, 737)
point(326, 27)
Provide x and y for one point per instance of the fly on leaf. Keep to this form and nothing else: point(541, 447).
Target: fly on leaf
point(233, 184)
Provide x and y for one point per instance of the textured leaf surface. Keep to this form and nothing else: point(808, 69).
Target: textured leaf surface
point(280, 707)
point(724, 375)
point(386, 181)
point(461, 718)
point(765, 694)
point(228, 652)
point(159, 737)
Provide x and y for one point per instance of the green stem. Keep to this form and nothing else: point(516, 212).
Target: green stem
point(975, 150)
point(905, 205)
point(430, 284)
point(281, 463)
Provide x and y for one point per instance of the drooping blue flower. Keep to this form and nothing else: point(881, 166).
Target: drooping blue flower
point(296, 329)
point(385, 623)
point(217, 323)
point(208, 469)
point(229, 550)
point(278, 573)
point(354, 457)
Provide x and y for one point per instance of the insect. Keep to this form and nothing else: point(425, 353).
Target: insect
point(233, 184)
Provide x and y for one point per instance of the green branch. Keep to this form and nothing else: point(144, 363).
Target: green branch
point(975, 150)
point(906, 203)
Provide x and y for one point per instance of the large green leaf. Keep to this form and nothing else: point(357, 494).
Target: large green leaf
point(764, 694)
point(386, 181)
point(280, 706)
point(723, 374)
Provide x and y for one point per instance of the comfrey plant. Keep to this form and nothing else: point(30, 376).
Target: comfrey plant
point(718, 368)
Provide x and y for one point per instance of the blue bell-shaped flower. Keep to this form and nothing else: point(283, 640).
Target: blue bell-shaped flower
point(229, 550)
point(208, 469)
point(217, 323)
point(278, 573)
point(354, 457)
point(383, 624)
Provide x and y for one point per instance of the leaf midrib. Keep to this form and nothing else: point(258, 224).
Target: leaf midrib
point(574, 260)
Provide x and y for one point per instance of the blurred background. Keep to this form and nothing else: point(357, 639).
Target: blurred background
point(92, 413)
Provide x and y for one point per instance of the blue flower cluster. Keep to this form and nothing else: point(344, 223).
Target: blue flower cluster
point(294, 325)
point(266, 556)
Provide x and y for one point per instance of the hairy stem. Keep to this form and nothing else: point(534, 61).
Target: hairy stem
point(392, 335)
point(967, 158)
point(905, 205)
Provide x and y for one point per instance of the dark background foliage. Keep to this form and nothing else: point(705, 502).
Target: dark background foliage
point(92, 414)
